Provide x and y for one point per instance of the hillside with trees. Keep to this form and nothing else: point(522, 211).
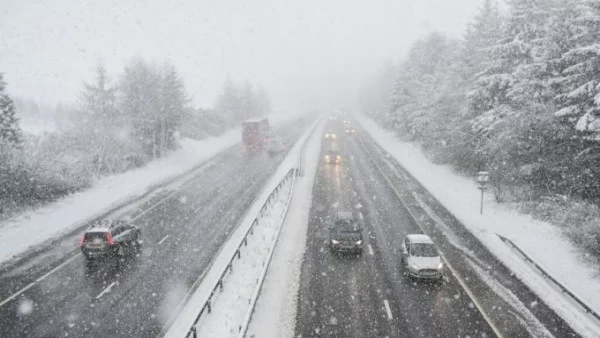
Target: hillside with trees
point(119, 123)
point(518, 96)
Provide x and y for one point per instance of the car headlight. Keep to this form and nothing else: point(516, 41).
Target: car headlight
point(359, 242)
point(333, 136)
point(333, 241)
point(440, 266)
point(413, 266)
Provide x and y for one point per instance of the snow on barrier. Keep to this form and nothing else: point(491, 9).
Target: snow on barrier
point(225, 307)
point(299, 172)
point(275, 205)
point(546, 274)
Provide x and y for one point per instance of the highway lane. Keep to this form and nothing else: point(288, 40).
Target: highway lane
point(508, 302)
point(367, 295)
point(135, 297)
point(364, 296)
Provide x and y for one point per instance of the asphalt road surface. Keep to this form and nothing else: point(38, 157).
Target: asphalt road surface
point(182, 230)
point(368, 296)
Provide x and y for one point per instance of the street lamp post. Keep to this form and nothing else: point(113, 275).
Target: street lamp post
point(483, 178)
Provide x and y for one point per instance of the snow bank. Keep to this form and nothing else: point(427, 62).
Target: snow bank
point(232, 304)
point(542, 241)
point(31, 228)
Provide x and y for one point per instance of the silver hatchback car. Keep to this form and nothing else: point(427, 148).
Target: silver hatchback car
point(420, 257)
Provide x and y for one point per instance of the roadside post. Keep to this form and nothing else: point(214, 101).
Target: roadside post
point(483, 178)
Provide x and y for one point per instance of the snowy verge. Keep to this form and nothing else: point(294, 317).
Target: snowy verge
point(275, 311)
point(542, 241)
point(225, 317)
point(73, 211)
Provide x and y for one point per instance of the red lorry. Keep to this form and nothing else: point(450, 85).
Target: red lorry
point(255, 134)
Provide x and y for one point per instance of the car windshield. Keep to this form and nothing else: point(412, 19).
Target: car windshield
point(423, 250)
point(347, 225)
point(349, 235)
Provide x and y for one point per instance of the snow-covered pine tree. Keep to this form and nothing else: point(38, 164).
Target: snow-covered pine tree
point(139, 104)
point(173, 104)
point(417, 84)
point(228, 103)
point(494, 96)
point(100, 120)
point(10, 133)
point(579, 102)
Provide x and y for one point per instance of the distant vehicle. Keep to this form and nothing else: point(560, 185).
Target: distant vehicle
point(333, 117)
point(333, 157)
point(275, 146)
point(420, 257)
point(110, 238)
point(255, 134)
point(345, 234)
point(350, 131)
point(346, 122)
point(330, 135)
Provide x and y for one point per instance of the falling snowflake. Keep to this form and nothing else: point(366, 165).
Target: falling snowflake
point(25, 307)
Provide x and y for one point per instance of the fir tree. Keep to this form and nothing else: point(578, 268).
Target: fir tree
point(9, 123)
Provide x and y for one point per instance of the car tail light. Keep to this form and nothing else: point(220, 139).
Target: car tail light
point(82, 241)
point(110, 240)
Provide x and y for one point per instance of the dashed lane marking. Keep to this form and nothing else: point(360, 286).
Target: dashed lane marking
point(388, 310)
point(162, 240)
point(462, 283)
point(370, 250)
point(106, 290)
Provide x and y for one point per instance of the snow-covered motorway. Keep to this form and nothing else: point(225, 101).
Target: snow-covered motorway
point(182, 230)
point(367, 295)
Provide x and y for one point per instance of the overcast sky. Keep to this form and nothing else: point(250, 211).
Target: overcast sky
point(306, 53)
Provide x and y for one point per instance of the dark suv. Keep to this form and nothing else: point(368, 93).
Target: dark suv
point(110, 238)
point(345, 234)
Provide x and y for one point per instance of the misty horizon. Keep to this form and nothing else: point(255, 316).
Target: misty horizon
point(307, 55)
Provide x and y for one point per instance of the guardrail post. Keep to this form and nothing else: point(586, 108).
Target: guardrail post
point(194, 332)
point(239, 253)
point(208, 304)
point(246, 240)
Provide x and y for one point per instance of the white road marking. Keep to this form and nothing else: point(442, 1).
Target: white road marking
point(57, 268)
point(360, 215)
point(388, 310)
point(106, 290)
point(417, 220)
point(154, 206)
point(162, 240)
point(370, 250)
point(16, 294)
